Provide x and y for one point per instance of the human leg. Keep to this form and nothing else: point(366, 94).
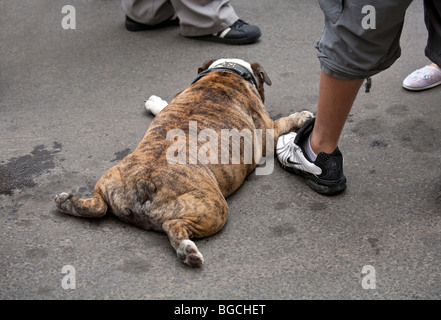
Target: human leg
point(336, 97)
point(432, 18)
point(348, 53)
point(148, 12)
point(214, 21)
point(201, 19)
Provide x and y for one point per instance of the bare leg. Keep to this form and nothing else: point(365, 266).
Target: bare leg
point(336, 97)
point(435, 65)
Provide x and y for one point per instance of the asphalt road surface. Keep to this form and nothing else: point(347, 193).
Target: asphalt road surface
point(72, 106)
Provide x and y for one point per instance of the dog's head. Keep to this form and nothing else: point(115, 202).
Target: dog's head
point(255, 69)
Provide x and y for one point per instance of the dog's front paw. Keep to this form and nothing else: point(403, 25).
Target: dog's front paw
point(297, 120)
point(307, 115)
point(155, 104)
point(189, 254)
point(62, 200)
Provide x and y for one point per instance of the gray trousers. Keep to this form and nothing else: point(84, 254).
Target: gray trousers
point(349, 50)
point(197, 17)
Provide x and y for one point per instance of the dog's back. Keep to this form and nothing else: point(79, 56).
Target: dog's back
point(195, 153)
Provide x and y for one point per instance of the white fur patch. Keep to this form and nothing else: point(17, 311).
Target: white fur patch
point(155, 104)
point(182, 250)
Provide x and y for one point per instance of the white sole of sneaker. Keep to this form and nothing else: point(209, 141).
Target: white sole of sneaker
point(421, 88)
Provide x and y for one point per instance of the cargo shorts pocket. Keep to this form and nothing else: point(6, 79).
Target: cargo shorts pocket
point(332, 9)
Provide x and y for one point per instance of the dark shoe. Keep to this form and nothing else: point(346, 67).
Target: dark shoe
point(239, 33)
point(324, 175)
point(132, 25)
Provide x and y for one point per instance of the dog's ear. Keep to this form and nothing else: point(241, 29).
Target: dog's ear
point(205, 65)
point(260, 73)
point(261, 78)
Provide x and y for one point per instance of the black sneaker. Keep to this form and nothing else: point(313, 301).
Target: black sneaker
point(132, 25)
point(324, 175)
point(239, 33)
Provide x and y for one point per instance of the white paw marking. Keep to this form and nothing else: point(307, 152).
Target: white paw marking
point(187, 251)
point(155, 104)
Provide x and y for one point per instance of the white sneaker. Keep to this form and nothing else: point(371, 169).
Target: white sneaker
point(324, 175)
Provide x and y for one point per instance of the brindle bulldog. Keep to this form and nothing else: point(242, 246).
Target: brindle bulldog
point(177, 183)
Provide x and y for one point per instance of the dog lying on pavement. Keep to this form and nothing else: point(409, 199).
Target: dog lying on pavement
point(178, 177)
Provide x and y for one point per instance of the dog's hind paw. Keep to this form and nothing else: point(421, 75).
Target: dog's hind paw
point(62, 200)
point(155, 104)
point(189, 254)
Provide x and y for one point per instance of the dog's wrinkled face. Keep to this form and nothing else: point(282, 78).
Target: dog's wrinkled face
point(260, 76)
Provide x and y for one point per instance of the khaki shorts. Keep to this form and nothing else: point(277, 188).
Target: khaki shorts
point(350, 48)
